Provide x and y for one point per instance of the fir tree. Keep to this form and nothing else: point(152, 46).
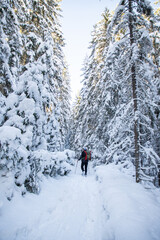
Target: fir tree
point(139, 80)
point(88, 114)
point(35, 91)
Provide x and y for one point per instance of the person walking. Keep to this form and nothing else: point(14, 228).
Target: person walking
point(84, 160)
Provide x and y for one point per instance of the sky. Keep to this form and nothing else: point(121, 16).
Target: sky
point(79, 17)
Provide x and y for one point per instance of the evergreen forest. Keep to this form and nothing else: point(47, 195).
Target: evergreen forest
point(116, 114)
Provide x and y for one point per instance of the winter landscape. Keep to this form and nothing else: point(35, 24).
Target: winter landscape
point(116, 116)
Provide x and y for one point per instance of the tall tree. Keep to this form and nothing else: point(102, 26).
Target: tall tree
point(88, 111)
point(129, 20)
point(117, 113)
point(34, 87)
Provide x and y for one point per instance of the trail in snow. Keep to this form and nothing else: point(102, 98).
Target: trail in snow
point(80, 208)
point(69, 208)
point(82, 215)
point(76, 212)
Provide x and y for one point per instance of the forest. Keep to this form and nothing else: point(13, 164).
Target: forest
point(117, 113)
point(115, 116)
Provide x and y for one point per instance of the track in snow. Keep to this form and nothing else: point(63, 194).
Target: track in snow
point(68, 208)
point(76, 212)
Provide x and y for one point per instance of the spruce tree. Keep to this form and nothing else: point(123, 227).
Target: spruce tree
point(34, 89)
point(135, 46)
point(87, 131)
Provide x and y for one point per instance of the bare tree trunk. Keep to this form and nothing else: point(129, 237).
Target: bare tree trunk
point(134, 89)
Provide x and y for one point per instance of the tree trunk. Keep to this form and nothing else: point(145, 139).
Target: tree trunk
point(134, 89)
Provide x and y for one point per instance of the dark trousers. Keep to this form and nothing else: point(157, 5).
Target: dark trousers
point(84, 163)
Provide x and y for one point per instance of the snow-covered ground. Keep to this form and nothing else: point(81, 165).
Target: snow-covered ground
point(105, 205)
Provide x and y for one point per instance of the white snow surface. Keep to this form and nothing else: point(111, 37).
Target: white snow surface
point(105, 205)
point(9, 133)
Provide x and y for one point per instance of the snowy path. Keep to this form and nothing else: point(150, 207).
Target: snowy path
point(80, 208)
point(76, 212)
point(69, 208)
point(81, 211)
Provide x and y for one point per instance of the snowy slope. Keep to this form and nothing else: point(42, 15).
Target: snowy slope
point(81, 208)
point(134, 211)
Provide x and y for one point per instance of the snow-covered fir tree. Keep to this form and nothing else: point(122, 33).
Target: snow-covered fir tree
point(88, 111)
point(123, 102)
point(34, 89)
point(136, 118)
point(155, 35)
point(74, 124)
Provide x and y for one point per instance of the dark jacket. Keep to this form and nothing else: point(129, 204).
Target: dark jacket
point(83, 154)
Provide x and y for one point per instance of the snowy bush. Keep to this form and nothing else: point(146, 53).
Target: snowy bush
point(14, 166)
point(70, 156)
point(23, 171)
point(46, 163)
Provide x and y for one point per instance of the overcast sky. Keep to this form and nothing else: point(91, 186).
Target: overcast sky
point(79, 16)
